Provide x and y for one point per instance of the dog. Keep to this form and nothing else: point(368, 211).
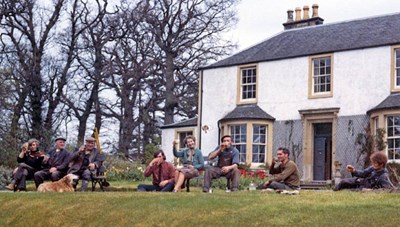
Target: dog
point(62, 185)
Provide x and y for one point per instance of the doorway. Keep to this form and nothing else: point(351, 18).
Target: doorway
point(322, 151)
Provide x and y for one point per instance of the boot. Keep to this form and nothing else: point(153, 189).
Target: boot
point(84, 185)
point(11, 186)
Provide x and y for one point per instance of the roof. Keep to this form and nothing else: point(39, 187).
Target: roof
point(318, 39)
point(251, 111)
point(185, 123)
point(391, 102)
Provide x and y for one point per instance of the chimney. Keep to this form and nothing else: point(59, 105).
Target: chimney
point(306, 14)
point(306, 21)
point(298, 14)
point(315, 10)
point(289, 16)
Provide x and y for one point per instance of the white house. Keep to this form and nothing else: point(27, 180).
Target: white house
point(315, 89)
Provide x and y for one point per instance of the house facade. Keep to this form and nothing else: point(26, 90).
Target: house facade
point(318, 90)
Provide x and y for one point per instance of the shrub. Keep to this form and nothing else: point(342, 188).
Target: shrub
point(5, 176)
point(394, 170)
point(119, 168)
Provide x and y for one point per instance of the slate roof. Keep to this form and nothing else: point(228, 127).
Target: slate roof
point(318, 39)
point(247, 112)
point(185, 123)
point(391, 102)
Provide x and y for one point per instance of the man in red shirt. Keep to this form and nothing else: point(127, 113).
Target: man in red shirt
point(163, 174)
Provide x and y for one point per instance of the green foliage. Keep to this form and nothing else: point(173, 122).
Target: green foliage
point(5, 176)
point(394, 170)
point(119, 168)
point(149, 150)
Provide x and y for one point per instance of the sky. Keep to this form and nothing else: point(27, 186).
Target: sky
point(262, 19)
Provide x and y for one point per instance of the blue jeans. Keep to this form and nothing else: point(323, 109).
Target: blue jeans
point(149, 188)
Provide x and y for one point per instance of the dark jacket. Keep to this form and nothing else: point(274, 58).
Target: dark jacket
point(77, 159)
point(373, 179)
point(60, 160)
point(198, 160)
point(34, 162)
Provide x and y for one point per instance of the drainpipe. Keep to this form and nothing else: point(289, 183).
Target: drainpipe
point(199, 120)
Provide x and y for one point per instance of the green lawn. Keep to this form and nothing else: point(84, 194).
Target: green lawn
point(125, 207)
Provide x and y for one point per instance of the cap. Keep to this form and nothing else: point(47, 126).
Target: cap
point(60, 138)
point(90, 139)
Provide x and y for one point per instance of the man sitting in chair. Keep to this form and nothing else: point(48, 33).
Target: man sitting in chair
point(227, 165)
point(85, 162)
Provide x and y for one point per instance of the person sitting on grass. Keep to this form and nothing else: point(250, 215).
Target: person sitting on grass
point(85, 162)
point(374, 177)
point(285, 173)
point(227, 165)
point(30, 161)
point(163, 174)
point(193, 161)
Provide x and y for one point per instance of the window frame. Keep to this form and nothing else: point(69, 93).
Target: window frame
point(178, 132)
point(394, 137)
point(394, 88)
point(311, 93)
point(239, 93)
point(226, 129)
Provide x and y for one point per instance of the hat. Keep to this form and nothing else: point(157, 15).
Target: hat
point(222, 139)
point(90, 139)
point(60, 138)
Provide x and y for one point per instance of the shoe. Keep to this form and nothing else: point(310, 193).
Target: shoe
point(11, 187)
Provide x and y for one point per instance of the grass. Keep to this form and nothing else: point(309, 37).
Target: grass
point(125, 207)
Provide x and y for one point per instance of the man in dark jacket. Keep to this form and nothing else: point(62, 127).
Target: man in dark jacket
point(374, 177)
point(55, 163)
point(85, 161)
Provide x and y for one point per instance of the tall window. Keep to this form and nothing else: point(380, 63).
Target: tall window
point(397, 67)
point(393, 137)
point(259, 140)
point(238, 133)
point(248, 83)
point(321, 76)
point(181, 136)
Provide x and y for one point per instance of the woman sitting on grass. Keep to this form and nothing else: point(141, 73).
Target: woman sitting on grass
point(193, 161)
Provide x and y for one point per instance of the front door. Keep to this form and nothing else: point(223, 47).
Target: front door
point(322, 151)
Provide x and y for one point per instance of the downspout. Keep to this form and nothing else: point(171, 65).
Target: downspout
point(199, 120)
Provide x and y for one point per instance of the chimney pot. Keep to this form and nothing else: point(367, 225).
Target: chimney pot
point(289, 15)
point(306, 15)
point(315, 10)
point(298, 14)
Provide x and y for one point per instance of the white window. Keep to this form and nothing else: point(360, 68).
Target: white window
point(259, 141)
point(397, 68)
point(393, 137)
point(248, 84)
point(321, 75)
point(238, 133)
point(181, 136)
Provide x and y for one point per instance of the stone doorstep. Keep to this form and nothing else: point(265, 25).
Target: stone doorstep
point(314, 185)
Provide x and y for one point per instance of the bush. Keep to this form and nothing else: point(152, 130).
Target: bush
point(394, 171)
point(257, 176)
point(119, 168)
point(5, 176)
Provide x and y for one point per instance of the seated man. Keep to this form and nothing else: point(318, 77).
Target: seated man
point(163, 174)
point(85, 161)
point(55, 163)
point(227, 165)
point(285, 173)
point(374, 177)
point(30, 160)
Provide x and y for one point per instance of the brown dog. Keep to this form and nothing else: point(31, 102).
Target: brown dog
point(62, 185)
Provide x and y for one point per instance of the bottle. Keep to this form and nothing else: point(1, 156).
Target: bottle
point(252, 186)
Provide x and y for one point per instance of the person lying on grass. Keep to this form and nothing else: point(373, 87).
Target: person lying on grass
point(374, 177)
point(193, 161)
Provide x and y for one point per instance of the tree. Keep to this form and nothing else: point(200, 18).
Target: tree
point(188, 34)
